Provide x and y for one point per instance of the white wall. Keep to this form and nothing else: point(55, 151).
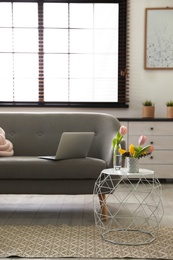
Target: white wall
point(156, 85)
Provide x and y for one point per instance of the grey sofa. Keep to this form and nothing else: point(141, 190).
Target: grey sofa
point(35, 134)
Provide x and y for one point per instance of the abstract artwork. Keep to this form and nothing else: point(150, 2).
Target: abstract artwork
point(158, 38)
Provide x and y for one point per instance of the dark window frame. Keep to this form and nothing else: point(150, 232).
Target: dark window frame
point(123, 90)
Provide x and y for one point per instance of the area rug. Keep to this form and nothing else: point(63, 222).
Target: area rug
point(51, 241)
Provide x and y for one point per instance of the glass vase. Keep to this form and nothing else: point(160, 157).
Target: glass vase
point(117, 158)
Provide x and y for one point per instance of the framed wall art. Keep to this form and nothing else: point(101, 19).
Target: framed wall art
point(158, 38)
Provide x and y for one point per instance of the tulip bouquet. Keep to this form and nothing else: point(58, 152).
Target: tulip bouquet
point(138, 151)
point(133, 151)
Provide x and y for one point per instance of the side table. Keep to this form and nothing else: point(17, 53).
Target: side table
point(128, 207)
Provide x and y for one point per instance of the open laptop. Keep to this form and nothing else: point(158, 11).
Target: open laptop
point(72, 145)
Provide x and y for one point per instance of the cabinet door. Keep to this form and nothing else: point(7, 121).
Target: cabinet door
point(150, 128)
point(158, 157)
point(159, 142)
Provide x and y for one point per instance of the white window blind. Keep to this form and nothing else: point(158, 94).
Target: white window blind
point(59, 52)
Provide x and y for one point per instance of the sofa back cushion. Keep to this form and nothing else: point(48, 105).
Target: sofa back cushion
point(35, 134)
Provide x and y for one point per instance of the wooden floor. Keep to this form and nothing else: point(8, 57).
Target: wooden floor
point(63, 209)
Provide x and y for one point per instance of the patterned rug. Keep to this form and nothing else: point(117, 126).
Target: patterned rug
point(76, 241)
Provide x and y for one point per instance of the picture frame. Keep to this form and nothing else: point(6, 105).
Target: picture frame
point(158, 53)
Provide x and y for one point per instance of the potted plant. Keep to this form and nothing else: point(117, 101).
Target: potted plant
point(169, 105)
point(136, 152)
point(148, 109)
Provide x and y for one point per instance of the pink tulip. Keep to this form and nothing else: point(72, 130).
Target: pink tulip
point(150, 149)
point(123, 130)
point(142, 140)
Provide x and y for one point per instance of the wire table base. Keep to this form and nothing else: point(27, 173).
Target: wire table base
point(128, 207)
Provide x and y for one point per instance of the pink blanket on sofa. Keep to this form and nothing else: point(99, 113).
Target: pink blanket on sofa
point(6, 147)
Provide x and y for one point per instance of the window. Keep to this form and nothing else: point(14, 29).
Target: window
point(63, 54)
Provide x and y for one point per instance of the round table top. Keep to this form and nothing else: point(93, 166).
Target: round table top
point(124, 172)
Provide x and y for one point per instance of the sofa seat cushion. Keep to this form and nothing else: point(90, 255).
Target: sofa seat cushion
point(28, 167)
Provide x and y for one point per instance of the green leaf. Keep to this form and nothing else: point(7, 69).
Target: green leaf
point(141, 150)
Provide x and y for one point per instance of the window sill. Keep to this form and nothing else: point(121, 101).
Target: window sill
point(64, 104)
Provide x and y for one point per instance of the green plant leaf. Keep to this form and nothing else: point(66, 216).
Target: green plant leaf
point(139, 150)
